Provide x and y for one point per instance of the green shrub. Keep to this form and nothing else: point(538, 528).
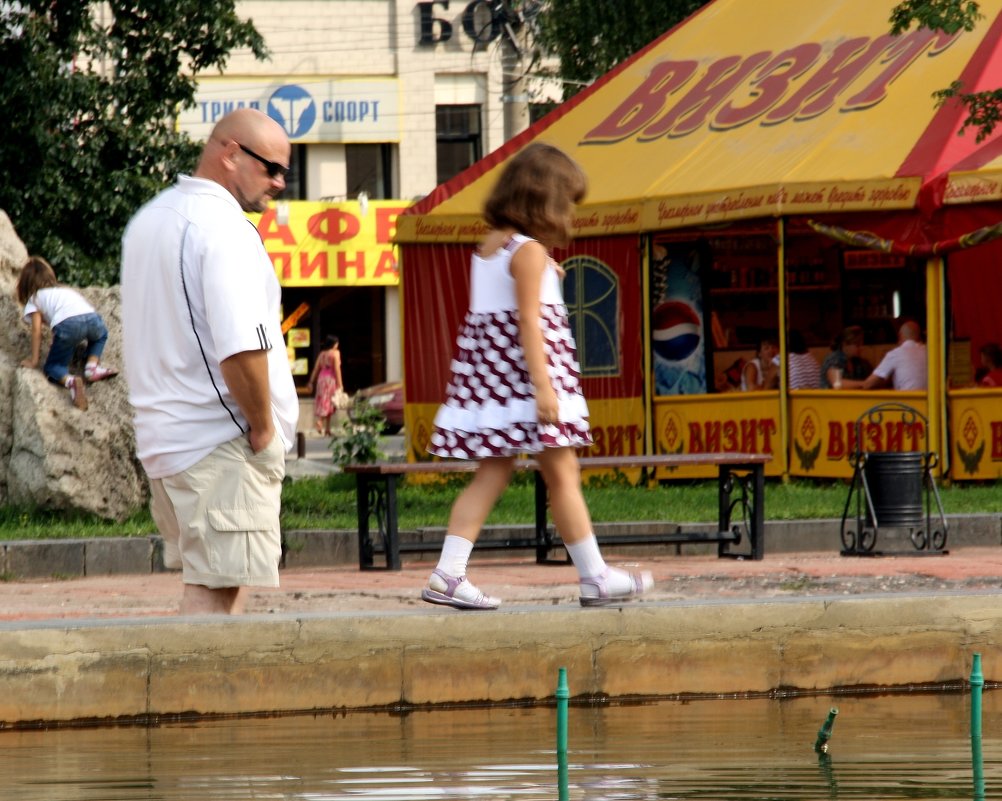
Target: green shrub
point(356, 438)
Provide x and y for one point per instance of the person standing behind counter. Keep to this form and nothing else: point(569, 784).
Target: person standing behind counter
point(215, 404)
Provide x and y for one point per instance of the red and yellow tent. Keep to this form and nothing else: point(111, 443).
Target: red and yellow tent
point(746, 120)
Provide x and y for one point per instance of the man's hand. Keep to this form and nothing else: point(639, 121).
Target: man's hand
point(259, 439)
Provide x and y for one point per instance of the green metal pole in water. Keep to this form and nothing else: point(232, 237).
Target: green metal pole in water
point(977, 684)
point(563, 694)
point(825, 732)
point(977, 761)
point(978, 769)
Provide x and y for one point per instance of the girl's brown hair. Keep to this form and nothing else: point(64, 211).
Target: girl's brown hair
point(536, 194)
point(36, 274)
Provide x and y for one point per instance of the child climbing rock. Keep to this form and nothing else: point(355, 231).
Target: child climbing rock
point(72, 320)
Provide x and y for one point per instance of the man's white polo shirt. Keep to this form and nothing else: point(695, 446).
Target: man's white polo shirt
point(197, 288)
point(905, 366)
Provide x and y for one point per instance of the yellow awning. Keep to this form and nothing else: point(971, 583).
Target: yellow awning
point(751, 109)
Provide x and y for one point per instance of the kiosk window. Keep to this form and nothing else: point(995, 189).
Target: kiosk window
point(591, 293)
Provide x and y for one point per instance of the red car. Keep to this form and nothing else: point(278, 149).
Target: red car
point(389, 399)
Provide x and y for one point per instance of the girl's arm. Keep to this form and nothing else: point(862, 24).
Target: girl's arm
point(36, 340)
point(527, 267)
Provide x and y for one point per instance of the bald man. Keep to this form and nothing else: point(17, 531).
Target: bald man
point(903, 367)
point(215, 405)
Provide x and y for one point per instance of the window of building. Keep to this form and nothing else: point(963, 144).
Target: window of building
point(591, 293)
point(369, 169)
point(459, 139)
point(295, 181)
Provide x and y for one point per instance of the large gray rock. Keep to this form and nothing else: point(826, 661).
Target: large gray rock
point(52, 455)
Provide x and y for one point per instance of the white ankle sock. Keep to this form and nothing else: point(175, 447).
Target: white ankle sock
point(68, 381)
point(586, 556)
point(455, 555)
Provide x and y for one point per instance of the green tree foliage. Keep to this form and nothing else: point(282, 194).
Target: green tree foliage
point(90, 92)
point(590, 37)
point(984, 108)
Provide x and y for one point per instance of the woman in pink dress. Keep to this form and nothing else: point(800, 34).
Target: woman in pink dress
point(326, 378)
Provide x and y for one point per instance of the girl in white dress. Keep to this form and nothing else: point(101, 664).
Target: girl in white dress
point(515, 385)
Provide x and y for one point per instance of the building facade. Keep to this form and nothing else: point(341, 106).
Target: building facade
point(382, 100)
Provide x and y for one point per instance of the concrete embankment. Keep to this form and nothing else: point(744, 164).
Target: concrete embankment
point(147, 669)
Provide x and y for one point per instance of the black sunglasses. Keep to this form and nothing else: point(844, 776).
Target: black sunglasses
point(273, 167)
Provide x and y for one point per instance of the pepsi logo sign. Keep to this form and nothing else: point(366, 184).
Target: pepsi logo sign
point(677, 330)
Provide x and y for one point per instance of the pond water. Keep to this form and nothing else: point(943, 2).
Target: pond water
point(914, 746)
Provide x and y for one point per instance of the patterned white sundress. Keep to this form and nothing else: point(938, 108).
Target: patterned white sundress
point(490, 406)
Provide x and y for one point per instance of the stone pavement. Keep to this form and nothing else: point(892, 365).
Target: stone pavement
point(521, 583)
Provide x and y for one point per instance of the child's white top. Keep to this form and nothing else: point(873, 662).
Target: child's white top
point(55, 304)
point(490, 407)
point(492, 286)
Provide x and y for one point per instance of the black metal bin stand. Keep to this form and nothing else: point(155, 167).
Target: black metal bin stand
point(893, 490)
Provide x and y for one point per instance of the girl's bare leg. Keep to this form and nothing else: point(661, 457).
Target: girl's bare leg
point(600, 584)
point(448, 584)
point(474, 503)
point(562, 475)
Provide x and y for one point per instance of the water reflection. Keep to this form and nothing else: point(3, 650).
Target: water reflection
point(891, 747)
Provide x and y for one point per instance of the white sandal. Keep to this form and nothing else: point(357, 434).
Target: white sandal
point(595, 590)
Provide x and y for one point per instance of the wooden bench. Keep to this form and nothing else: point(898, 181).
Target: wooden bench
point(741, 488)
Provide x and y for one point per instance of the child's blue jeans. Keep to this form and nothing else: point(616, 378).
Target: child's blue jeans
point(66, 336)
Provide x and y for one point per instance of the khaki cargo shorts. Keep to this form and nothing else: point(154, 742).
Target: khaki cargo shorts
point(220, 518)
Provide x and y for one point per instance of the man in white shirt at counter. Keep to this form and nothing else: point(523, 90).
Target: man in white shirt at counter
point(904, 367)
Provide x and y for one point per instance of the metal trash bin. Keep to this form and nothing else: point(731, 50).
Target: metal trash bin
point(895, 483)
point(892, 489)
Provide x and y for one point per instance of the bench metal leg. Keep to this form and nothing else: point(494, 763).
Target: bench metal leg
point(362, 513)
point(542, 529)
point(747, 483)
point(544, 542)
point(376, 497)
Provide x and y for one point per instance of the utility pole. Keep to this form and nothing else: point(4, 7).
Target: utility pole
point(514, 94)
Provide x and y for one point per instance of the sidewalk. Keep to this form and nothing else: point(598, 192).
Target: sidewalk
point(520, 582)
